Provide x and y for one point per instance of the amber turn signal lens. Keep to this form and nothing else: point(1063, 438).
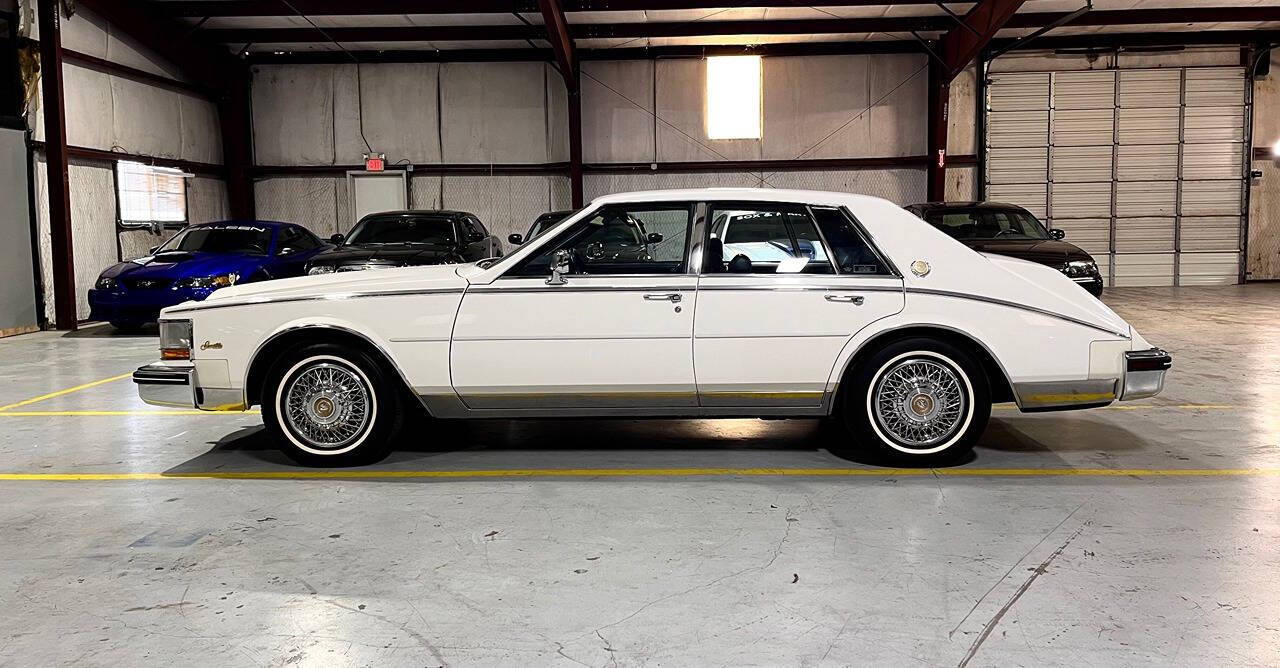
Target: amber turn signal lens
point(175, 353)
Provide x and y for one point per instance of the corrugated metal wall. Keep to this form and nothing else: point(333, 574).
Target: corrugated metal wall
point(1141, 167)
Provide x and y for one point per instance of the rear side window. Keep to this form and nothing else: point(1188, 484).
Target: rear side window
point(853, 255)
point(764, 238)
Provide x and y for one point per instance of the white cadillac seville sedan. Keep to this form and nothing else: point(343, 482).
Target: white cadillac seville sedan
point(729, 303)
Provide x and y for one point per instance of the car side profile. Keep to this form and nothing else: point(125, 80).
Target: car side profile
point(1007, 229)
point(830, 305)
point(196, 261)
point(408, 238)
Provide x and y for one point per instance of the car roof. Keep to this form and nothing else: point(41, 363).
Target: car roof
point(951, 206)
point(741, 194)
point(439, 213)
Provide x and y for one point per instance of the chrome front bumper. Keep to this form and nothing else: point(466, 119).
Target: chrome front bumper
point(175, 385)
point(167, 384)
point(1144, 373)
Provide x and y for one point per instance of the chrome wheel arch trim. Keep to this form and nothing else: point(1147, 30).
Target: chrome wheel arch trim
point(293, 329)
point(848, 363)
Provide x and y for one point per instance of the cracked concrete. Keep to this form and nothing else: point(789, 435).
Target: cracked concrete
point(764, 571)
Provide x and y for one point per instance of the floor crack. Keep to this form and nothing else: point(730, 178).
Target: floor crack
point(1035, 573)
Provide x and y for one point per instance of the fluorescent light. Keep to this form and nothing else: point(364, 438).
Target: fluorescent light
point(733, 97)
point(1275, 149)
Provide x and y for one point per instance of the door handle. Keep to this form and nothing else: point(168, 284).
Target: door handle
point(672, 297)
point(856, 300)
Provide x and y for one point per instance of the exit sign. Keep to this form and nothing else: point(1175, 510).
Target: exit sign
point(375, 162)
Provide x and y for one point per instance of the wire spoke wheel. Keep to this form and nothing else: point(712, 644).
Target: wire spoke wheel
point(919, 401)
point(327, 404)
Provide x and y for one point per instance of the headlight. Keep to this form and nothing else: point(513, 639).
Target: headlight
point(105, 283)
point(1080, 268)
point(321, 269)
point(208, 281)
point(175, 339)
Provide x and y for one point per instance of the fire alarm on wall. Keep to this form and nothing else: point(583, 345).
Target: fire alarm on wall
point(375, 162)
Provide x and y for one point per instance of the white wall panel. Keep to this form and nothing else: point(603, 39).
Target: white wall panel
point(505, 204)
point(207, 200)
point(825, 91)
point(617, 124)
point(293, 115)
point(494, 112)
point(1210, 233)
point(1081, 200)
point(90, 113)
point(1093, 235)
point(598, 185)
point(93, 234)
point(962, 183)
point(899, 95)
point(148, 120)
point(682, 105)
point(962, 137)
point(424, 191)
point(308, 201)
point(900, 186)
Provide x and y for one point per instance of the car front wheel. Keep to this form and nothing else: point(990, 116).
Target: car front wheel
point(917, 402)
point(328, 405)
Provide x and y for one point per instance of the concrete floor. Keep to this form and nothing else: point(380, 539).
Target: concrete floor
point(965, 565)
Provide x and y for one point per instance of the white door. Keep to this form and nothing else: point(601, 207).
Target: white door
point(778, 299)
point(617, 333)
point(375, 192)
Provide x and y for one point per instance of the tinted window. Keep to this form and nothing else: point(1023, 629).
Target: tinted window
point(403, 230)
point(471, 226)
point(221, 239)
point(295, 240)
point(616, 240)
point(852, 253)
point(1009, 224)
point(767, 239)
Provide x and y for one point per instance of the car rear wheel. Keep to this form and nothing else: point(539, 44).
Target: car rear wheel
point(328, 405)
point(917, 402)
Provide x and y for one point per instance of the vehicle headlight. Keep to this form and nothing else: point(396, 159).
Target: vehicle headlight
point(221, 281)
point(1080, 268)
point(321, 269)
point(105, 283)
point(175, 339)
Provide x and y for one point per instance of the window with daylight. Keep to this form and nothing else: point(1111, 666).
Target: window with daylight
point(733, 97)
point(151, 194)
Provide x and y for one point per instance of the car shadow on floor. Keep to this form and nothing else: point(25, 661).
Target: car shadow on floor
point(106, 331)
point(654, 443)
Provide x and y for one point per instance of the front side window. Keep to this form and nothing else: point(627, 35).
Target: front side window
point(403, 231)
point(985, 224)
point(251, 239)
point(852, 253)
point(761, 238)
point(621, 239)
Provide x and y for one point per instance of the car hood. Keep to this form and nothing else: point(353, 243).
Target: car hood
point(398, 279)
point(1049, 251)
point(183, 265)
point(392, 255)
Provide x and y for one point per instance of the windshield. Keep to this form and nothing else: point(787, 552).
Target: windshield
point(221, 239)
point(403, 230)
point(1008, 224)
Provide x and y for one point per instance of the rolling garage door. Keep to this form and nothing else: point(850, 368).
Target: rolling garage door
point(1144, 169)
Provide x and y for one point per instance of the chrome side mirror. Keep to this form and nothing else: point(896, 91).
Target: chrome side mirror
point(560, 265)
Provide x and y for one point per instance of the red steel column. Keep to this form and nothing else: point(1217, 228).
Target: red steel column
point(55, 142)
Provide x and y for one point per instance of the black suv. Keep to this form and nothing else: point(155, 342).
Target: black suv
point(404, 238)
point(1006, 229)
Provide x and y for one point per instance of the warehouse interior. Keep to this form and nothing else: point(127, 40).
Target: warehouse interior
point(1148, 131)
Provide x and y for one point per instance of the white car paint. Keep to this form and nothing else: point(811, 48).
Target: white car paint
point(472, 342)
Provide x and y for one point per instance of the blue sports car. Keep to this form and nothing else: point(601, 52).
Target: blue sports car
point(197, 261)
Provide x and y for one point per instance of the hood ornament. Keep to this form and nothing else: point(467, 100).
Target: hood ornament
point(920, 268)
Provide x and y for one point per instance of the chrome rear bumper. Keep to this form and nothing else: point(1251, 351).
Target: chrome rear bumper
point(167, 384)
point(1144, 373)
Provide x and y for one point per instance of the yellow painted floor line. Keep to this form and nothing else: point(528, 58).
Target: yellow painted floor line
point(143, 413)
point(655, 472)
point(69, 390)
point(1139, 407)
